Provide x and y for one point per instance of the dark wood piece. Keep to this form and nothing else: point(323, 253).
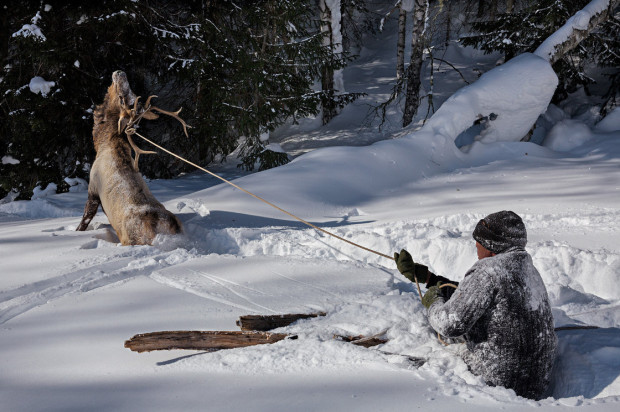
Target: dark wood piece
point(268, 322)
point(365, 341)
point(201, 340)
point(575, 327)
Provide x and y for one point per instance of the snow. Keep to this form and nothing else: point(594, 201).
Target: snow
point(76, 184)
point(69, 300)
point(567, 134)
point(407, 5)
point(9, 160)
point(39, 192)
point(38, 85)
point(610, 123)
point(579, 21)
point(517, 92)
point(32, 30)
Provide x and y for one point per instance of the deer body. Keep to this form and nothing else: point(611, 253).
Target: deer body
point(115, 182)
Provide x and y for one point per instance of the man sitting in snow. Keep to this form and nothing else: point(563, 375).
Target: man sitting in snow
point(501, 308)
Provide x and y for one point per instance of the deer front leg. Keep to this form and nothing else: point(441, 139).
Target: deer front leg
point(90, 210)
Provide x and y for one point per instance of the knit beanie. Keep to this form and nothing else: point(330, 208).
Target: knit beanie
point(500, 231)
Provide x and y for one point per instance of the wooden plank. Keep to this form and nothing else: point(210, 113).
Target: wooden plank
point(365, 341)
point(201, 340)
point(268, 322)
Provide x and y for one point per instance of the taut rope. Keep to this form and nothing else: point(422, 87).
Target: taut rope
point(131, 131)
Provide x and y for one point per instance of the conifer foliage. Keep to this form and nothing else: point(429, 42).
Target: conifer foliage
point(524, 29)
point(57, 65)
point(254, 66)
point(239, 69)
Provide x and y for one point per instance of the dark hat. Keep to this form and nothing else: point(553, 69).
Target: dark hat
point(500, 231)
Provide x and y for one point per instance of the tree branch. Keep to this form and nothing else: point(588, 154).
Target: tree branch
point(577, 28)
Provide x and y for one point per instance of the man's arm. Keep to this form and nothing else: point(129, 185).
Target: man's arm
point(433, 279)
point(470, 301)
point(412, 270)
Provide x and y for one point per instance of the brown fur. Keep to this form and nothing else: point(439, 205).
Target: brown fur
point(134, 213)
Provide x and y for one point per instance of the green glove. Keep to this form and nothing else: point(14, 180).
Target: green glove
point(431, 296)
point(410, 269)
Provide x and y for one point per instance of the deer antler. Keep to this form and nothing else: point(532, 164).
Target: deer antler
point(136, 149)
point(172, 114)
point(148, 114)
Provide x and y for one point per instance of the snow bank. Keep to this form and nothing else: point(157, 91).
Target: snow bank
point(512, 96)
point(567, 135)
point(38, 209)
point(610, 123)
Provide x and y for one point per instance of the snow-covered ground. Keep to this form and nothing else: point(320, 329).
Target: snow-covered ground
point(69, 300)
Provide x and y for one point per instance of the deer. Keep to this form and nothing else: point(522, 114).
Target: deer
point(115, 181)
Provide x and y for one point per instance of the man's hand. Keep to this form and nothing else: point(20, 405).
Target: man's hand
point(431, 296)
point(410, 269)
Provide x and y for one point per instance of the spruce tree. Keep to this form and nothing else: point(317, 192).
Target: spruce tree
point(255, 64)
point(525, 29)
point(240, 69)
point(72, 48)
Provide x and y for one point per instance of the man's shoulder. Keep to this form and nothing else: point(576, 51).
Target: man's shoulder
point(496, 265)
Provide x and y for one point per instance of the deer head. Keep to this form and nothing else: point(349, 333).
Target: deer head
point(122, 100)
point(130, 111)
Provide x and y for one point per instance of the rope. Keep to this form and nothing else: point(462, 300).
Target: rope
point(132, 130)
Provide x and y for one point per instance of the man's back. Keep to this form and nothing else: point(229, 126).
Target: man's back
point(503, 310)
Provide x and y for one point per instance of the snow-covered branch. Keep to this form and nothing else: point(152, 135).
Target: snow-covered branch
point(576, 29)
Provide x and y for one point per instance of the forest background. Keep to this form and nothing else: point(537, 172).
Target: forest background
point(242, 69)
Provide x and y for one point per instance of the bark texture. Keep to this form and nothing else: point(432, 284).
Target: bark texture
point(201, 340)
point(414, 71)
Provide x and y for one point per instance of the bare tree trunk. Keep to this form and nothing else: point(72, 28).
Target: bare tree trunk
point(328, 84)
point(558, 44)
point(480, 9)
point(493, 10)
point(448, 23)
point(510, 4)
point(414, 71)
point(400, 47)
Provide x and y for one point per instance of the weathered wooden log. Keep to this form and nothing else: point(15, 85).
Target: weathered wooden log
point(268, 322)
point(365, 341)
point(201, 340)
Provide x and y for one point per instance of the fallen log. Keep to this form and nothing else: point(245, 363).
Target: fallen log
point(217, 340)
point(268, 322)
point(201, 340)
point(365, 341)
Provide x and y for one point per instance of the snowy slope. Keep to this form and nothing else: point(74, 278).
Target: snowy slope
point(69, 300)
